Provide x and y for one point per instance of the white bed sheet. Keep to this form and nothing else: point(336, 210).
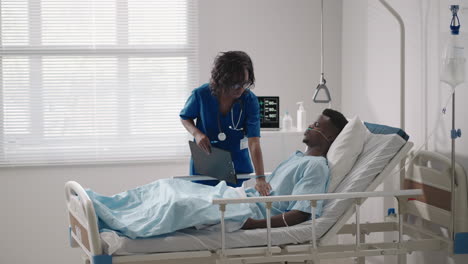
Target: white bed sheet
point(378, 151)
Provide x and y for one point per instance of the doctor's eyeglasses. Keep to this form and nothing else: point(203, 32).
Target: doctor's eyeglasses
point(238, 86)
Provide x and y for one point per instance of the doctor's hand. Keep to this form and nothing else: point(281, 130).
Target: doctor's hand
point(262, 186)
point(203, 142)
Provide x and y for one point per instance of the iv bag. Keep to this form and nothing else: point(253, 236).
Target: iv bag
point(453, 62)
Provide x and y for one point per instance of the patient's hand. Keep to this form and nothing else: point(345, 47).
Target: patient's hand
point(263, 187)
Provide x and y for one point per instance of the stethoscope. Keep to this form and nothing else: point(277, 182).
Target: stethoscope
point(221, 135)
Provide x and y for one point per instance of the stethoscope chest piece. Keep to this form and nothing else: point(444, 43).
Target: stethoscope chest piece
point(221, 136)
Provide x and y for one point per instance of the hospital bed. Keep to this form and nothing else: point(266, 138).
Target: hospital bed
point(308, 241)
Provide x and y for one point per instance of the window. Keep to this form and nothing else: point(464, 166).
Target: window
point(95, 80)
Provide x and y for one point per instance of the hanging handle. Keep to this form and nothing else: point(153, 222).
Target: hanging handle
point(322, 86)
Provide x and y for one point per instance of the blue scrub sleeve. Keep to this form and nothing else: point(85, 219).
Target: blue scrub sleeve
point(252, 120)
point(191, 109)
point(315, 180)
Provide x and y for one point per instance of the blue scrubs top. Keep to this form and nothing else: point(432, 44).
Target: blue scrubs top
point(204, 107)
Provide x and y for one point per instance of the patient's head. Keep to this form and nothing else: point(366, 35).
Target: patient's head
point(320, 135)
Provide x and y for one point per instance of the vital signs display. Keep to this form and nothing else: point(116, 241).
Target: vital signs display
point(269, 112)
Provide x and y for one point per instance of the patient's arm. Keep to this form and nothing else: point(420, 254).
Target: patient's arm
point(261, 186)
point(293, 217)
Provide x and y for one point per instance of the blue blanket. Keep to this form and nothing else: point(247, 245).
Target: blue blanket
point(165, 206)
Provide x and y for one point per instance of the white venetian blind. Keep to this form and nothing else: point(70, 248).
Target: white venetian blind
point(95, 80)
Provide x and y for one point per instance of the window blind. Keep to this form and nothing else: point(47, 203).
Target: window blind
point(94, 81)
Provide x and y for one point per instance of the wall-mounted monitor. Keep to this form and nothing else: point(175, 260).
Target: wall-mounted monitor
point(269, 112)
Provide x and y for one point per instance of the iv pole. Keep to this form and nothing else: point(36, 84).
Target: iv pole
point(454, 26)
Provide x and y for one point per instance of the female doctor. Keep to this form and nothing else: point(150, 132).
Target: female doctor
point(227, 115)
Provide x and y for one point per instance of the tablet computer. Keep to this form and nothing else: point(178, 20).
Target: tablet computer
point(218, 164)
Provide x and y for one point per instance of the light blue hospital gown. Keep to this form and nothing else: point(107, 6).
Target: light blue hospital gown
point(297, 175)
point(168, 205)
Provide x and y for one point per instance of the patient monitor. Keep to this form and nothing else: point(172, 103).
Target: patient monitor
point(269, 112)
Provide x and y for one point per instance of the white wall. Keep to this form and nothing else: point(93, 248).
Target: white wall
point(281, 36)
point(283, 39)
point(370, 77)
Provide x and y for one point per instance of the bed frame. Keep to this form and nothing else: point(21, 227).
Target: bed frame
point(84, 232)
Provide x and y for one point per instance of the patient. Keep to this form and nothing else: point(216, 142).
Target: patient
point(168, 205)
point(302, 173)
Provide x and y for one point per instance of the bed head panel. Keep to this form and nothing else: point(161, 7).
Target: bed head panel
point(435, 183)
point(432, 195)
point(430, 171)
point(432, 177)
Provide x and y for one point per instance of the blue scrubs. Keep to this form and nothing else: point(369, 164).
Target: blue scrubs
point(204, 107)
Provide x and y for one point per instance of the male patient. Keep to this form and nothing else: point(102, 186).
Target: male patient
point(168, 205)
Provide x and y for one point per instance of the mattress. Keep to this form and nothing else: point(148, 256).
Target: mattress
point(377, 152)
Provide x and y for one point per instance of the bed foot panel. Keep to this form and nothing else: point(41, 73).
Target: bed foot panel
point(72, 241)
point(79, 232)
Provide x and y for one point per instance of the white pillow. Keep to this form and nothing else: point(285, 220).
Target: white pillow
point(345, 150)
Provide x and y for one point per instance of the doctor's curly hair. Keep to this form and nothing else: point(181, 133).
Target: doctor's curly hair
point(229, 69)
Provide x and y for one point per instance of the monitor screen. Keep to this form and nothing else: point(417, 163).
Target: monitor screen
point(269, 112)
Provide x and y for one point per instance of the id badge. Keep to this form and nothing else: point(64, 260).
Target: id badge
point(244, 143)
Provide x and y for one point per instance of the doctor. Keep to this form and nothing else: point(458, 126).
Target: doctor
point(227, 115)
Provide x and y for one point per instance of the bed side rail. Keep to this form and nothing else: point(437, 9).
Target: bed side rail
point(317, 197)
point(401, 196)
point(83, 221)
